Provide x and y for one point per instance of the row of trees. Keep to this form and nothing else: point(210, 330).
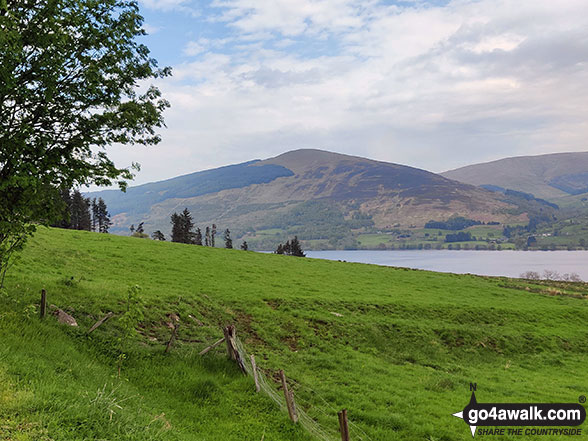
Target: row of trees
point(183, 232)
point(82, 213)
point(291, 248)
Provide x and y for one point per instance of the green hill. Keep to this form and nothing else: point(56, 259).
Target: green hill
point(397, 348)
point(326, 199)
point(545, 176)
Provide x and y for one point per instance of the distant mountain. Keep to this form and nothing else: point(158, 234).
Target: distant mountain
point(317, 195)
point(545, 176)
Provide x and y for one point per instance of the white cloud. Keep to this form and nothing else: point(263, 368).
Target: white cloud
point(194, 48)
point(435, 87)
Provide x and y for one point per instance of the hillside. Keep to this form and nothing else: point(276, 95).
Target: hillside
point(397, 348)
point(545, 176)
point(320, 196)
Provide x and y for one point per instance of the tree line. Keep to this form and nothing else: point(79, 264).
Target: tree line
point(81, 213)
point(185, 231)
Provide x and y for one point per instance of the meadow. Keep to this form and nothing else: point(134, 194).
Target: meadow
point(398, 348)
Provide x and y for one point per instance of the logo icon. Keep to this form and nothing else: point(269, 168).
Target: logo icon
point(521, 414)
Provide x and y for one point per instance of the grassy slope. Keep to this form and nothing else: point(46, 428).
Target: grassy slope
point(400, 357)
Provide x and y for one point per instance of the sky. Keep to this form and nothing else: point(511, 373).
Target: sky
point(431, 84)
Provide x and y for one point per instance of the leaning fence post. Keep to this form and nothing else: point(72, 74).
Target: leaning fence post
point(343, 426)
point(172, 338)
point(229, 332)
point(257, 388)
point(289, 398)
point(100, 322)
point(43, 302)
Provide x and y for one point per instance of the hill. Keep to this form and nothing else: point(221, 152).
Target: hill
point(320, 196)
point(397, 348)
point(545, 176)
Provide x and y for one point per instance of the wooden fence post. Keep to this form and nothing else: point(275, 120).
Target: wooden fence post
point(212, 346)
point(343, 426)
point(172, 338)
point(257, 388)
point(43, 303)
point(229, 332)
point(100, 322)
point(289, 398)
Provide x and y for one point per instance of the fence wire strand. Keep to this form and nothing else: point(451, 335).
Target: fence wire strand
point(267, 386)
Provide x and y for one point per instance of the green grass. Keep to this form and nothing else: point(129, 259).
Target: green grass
point(399, 357)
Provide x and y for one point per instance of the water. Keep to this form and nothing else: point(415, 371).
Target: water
point(486, 263)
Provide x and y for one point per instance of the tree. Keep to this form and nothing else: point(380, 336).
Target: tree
point(102, 217)
point(244, 246)
point(182, 226)
point(296, 248)
point(94, 214)
point(158, 235)
point(132, 228)
point(198, 237)
point(291, 248)
point(80, 212)
point(212, 234)
point(69, 73)
point(140, 229)
point(207, 239)
point(228, 240)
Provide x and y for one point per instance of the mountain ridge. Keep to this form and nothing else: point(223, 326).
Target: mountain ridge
point(316, 194)
point(548, 176)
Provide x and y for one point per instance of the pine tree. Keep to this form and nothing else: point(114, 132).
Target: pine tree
point(65, 221)
point(228, 240)
point(158, 235)
point(140, 228)
point(132, 228)
point(182, 226)
point(102, 216)
point(176, 235)
point(80, 212)
point(198, 237)
point(292, 248)
point(295, 248)
point(94, 214)
point(244, 246)
point(212, 234)
point(207, 237)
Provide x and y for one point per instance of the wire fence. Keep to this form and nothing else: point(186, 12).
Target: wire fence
point(307, 411)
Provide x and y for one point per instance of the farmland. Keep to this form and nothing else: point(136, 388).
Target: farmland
point(397, 348)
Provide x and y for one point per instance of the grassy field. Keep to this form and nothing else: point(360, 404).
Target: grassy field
point(397, 348)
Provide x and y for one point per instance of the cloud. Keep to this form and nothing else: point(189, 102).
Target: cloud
point(194, 48)
point(425, 85)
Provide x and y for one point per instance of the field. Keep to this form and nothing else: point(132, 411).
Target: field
point(397, 348)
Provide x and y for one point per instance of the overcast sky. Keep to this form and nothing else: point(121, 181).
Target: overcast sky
point(431, 84)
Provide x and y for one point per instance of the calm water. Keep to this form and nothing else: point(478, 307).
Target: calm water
point(488, 263)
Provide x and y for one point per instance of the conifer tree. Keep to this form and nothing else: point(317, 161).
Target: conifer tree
point(176, 235)
point(80, 212)
point(228, 240)
point(94, 214)
point(212, 234)
point(207, 239)
point(244, 246)
point(198, 237)
point(102, 215)
point(158, 235)
point(291, 248)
